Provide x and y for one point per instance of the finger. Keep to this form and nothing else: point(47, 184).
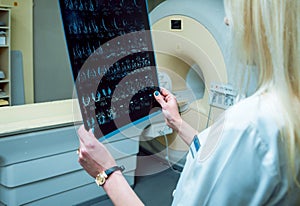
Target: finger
point(91, 132)
point(87, 141)
point(159, 98)
point(167, 94)
point(84, 135)
point(81, 144)
point(83, 156)
point(81, 133)
point(164, 91)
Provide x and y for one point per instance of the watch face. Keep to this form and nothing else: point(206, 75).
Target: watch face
point(100, 179)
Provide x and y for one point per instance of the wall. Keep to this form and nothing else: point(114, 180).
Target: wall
point(52, 70)
point(22, 40)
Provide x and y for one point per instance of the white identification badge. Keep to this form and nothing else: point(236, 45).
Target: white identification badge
point(195, 146)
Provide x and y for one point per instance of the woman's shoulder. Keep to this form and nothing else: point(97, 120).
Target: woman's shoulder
point(259, 111)
point(255, 121)
point(258, 123)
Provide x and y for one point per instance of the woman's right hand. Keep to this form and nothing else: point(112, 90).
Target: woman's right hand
point(95, 158)
point(93, 155)
point(169, 107)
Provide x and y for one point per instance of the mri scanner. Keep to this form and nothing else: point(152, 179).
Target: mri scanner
point(189, 39)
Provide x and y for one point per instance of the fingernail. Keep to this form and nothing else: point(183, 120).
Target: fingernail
point(156, 93)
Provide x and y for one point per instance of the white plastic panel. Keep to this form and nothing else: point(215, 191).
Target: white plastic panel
point(34, 145)
point(43, 168)
point(78, 195)
point(55, 185)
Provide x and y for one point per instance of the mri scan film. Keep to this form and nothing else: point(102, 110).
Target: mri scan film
point(112, 61)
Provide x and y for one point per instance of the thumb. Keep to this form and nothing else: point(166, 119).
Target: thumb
point(159, 98)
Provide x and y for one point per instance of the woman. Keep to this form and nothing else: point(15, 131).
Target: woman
point(250, 156)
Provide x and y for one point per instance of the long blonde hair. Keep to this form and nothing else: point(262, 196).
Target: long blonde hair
point(266, 33)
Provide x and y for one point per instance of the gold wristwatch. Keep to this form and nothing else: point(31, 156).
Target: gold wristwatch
point(102, 176)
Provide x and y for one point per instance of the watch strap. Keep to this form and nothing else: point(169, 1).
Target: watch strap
point(111, 170)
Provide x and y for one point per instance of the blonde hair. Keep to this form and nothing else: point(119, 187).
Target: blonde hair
point(266, 33)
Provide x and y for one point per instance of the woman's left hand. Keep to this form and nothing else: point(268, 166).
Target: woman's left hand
point(93, 155)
